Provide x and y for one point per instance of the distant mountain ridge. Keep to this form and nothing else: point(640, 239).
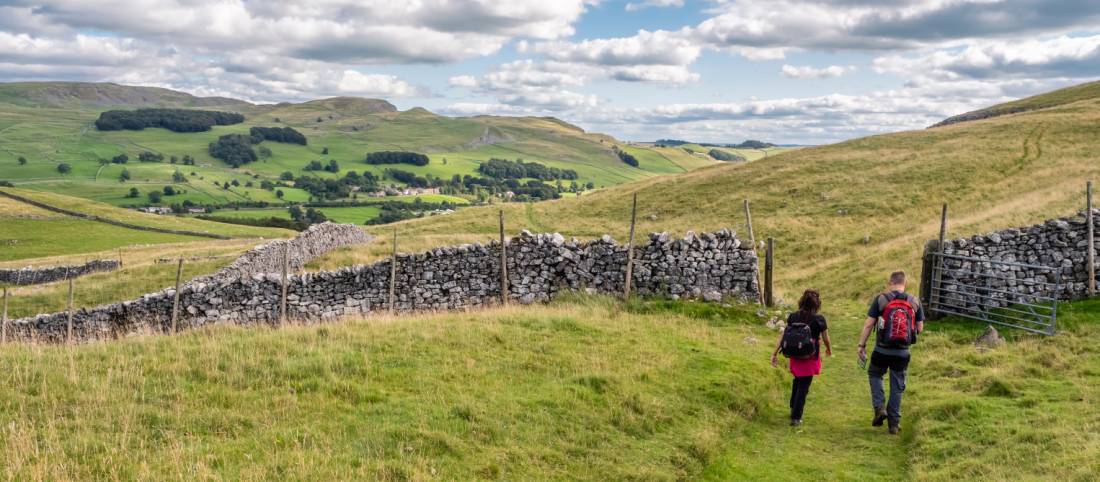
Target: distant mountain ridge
point(68, 94)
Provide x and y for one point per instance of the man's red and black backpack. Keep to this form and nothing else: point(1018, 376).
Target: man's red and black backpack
point(897, 326)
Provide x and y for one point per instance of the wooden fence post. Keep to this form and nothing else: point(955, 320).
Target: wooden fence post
point(752, 240)
point(630, 250)
point(69, 323)
point(393, 275)
point(4, 319)
point(943, 226)
point(176, 297)
point(1092, 247)
point(930, 248)
point(282, 284)
point(937, 283)
point(120, 257)
point(769, 265)
point(503, 263)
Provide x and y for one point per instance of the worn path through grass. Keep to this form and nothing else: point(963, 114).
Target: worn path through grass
point(836, 441)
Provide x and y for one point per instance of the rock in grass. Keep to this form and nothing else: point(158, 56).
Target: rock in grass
point(989, 339)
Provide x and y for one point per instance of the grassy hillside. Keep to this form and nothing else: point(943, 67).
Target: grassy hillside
point(1060, 97)
point(31, 232)
point(822, 203)
point(52, 123)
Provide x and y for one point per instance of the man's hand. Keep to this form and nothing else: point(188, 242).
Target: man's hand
point(775, 359)
point(829, 351)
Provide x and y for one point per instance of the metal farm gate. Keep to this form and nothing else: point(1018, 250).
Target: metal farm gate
point(1013, 294)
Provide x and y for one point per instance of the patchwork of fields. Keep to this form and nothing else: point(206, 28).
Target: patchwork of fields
point(341, 129)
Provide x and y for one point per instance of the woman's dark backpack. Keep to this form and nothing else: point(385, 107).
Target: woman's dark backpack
point(798, 340)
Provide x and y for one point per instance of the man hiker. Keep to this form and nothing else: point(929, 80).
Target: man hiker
point(896, 317)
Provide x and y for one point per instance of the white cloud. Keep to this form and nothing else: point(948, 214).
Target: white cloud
point(633, 7)
point(994, 60)
point(649, 48)
point(467, 81)
point(870, 26)
point(809, 72)
point(263, 50)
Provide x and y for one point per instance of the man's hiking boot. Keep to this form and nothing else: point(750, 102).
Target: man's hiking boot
point(880, 416)
point(796, 422)
point(895, 429)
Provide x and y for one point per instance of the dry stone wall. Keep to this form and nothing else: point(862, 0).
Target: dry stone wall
point(711, 266)
point(34, 276)
point(303, 248)
point(1059, 246)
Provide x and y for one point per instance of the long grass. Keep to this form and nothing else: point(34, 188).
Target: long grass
point(582, 390)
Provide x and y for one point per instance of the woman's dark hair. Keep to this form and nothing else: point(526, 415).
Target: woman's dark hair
point(809, 304)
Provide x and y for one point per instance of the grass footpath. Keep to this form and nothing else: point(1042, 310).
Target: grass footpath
point(836, 440)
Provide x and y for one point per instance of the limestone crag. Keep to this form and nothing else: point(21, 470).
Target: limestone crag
point(713, 265)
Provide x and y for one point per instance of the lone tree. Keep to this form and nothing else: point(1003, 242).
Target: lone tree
point(22, 161)
point(133, 193)
point(124, 175)
point(154, 196)
point(64, 168)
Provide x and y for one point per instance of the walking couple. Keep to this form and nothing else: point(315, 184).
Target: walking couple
point(895, 316)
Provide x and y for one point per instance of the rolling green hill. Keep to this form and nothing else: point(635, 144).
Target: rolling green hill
point(52, 123)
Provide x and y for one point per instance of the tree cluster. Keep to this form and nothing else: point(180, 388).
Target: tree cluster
point(626, 157)
point(505, 169)
point(176, 120)
point(277, 134)
point(150, 157)
point(393, 211)
point(397, 157)
point(332, 166)
point(670, 142)
point(234, 149)
point(307, 217)
point(725, 156)
point(336, 188)
point(409, 178)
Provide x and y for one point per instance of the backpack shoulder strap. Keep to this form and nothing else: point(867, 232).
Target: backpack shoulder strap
point(883, 300)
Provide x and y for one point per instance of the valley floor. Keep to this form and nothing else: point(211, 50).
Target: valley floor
point(584, 388)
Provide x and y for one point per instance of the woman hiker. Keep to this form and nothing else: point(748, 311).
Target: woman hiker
point(801, 343)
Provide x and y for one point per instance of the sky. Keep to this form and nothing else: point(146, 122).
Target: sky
point(784, 71)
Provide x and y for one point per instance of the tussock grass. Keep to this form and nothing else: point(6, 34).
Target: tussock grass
point(578, 390)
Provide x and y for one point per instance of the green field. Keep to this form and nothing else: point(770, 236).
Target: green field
point(28, 232)
point(48, 133)
point(351, 215)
